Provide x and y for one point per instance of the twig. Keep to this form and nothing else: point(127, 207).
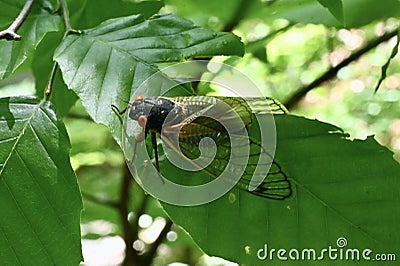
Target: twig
point(384, 68)
point(333, 71)
point(10, 33)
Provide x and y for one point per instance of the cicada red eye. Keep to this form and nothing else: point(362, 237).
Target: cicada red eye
point(138, 98)
point(142, 121)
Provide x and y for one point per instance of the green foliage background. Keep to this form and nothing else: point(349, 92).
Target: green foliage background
point(343, 188)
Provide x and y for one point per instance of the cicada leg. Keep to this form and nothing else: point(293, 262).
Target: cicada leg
point(141, 137)
point(154, 143)
point(121, 112)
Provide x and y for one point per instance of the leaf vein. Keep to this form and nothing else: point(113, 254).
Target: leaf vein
point(101, 89)
point(19, 137)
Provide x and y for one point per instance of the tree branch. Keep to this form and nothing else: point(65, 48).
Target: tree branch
point(100, 201)
point(237, 16)
point(153, 249)
point(129, 231)
point(10, 33)
point(139, 211)
point(330, 73)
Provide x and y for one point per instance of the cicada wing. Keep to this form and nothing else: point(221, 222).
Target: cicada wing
point(206, 118)
point(265, 105)
point(261, 166)
point(275, 183)
point(227, 109)
point(230, 112)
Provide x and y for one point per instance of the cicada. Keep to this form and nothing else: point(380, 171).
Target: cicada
point(163, 116)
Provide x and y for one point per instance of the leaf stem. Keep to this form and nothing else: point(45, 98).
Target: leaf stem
point(68, 30)
point(65, 14)
point(10, 33)
point(330, 73)
point(47, 91)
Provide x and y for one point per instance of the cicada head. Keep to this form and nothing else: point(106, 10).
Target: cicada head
point(151, 112)
point(140, 107)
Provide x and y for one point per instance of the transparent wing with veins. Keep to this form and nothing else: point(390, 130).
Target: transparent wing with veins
point(194, 127)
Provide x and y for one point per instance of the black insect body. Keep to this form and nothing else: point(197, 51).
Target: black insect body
point(155, 110)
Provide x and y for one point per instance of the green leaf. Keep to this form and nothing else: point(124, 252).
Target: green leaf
point(207, 13)
point(341, 188)
point(335, 7)
point(40, 21)
point(89, 13)
point(356, 13)
point(106, 64)
point(39, 197)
